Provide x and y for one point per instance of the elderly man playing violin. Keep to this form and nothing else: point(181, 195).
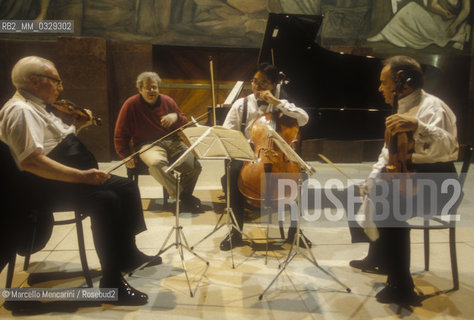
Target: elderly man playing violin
point(264, 98)
point(147, 117)
point(57, 172)
point(432, 126)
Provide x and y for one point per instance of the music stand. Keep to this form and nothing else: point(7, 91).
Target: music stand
point(295, 249)
point(179, 235)
point(213, 143)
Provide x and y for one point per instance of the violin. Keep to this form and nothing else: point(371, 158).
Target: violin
point(72, 114)
point(258, 181)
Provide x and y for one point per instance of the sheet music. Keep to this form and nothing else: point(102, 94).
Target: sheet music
point(215, 143)
point(219, 143)
point(234, 94)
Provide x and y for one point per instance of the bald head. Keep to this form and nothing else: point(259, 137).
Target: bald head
point(27, 67)
point(39, 77)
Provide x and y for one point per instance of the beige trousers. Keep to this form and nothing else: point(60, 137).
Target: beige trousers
point(159, 157)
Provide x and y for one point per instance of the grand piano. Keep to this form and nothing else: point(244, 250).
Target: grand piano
point(339, 91)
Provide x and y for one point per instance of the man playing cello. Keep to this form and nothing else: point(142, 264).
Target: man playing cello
point(243, 113)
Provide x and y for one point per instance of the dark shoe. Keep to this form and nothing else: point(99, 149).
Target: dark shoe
point(138, 259)
point(190, 203)
point(366, 265)
point(392, 294)
point(236, 241)
point(126, 294)
point(291, 238)
point(25, 307)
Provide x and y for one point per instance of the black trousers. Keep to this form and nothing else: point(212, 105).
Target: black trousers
point(114, 207)
point(392, 248)
point(237, 200)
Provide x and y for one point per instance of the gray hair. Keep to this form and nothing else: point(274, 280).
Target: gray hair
point(147, 75)
point(407, 65)
point(26, 67)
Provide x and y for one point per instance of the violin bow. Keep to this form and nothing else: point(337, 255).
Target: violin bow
point(133, 155)
point(337, 168)
point(211, 70)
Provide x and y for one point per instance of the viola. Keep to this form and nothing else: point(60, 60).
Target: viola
point(400, 146)
point(400, 149)
point(71, 114)
point(258, 180)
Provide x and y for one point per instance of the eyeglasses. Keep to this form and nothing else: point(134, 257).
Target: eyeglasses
point(264, 83)
point(58, 82)
point(152, 88)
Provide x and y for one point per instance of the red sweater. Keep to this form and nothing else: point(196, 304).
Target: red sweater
point(138, 123)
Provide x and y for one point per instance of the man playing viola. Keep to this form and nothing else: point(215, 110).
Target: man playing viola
point(147, 117)
point(433, 126)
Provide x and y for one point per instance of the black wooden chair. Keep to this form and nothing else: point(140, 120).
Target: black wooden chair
point(142, 169)
point(78, 217)
point(32, 221)
point(437, 223)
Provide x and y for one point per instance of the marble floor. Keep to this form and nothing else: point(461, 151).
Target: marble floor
point(302, 291)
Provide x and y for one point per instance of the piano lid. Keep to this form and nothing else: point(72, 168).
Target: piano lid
point(319, 78)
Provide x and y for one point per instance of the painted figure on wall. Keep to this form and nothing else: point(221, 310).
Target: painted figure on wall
point(24, 9)
point(241, 23)
point(434, 22)
point(152, 17)
point(43, 9)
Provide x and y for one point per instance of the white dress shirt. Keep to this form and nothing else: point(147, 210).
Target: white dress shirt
point(436, 135)
point(26, 126)
point(234, 116)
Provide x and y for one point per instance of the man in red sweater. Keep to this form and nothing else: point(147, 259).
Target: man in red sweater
point(145, 118)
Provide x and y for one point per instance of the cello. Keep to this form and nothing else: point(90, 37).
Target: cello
point(258, 180)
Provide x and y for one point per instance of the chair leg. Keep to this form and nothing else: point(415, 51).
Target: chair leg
point(426, 240)
point(26, 263)
point(30, 248)
point(282, 231)
point(166, 196)
point(454, 260)
point(82, 249)
point(11, 270)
